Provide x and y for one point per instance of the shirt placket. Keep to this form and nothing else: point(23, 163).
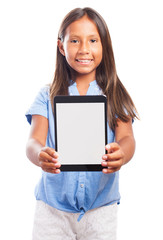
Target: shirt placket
point(81, 190)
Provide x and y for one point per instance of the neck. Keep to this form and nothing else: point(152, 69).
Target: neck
point(84, 80)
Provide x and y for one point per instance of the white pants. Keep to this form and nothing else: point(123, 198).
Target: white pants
point(52, 224)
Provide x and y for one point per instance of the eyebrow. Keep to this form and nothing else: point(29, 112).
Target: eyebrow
point(91, 36)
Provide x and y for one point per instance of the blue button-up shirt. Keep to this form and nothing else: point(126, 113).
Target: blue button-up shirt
point(75, 192)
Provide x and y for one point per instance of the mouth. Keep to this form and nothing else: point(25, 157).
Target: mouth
point(84, 61)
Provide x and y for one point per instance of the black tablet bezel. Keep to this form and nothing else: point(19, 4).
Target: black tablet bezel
point(80, 99)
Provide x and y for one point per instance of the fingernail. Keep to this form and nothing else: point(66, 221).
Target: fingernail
point(108, 146)
point(54, 160)
point(104, 163)
point(58, 171)
point(104, 170)
point(104, 157)
point(55, 155)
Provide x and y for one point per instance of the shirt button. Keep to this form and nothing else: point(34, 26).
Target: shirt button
point(81, 185)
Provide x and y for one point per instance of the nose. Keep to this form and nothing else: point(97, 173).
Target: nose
point(84, 48)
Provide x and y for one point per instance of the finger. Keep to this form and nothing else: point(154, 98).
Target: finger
point(46, 157)
point(47, 165)
point(56, 171)
point(51, 152)
point(110, 170)
point(113, 156)
point(112, 164)
point(112, 147)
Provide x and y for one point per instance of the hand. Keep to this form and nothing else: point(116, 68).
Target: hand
point(114, 159)
point(48, 160)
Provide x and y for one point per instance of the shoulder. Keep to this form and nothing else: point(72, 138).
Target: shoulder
point(40, 104)
point(44, 93)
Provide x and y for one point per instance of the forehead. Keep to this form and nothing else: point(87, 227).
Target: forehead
point(82, 27)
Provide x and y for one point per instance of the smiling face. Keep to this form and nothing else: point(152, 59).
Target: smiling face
point(82, 47)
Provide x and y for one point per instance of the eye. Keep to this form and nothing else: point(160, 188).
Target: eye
point(93, 40)
point(74, 41)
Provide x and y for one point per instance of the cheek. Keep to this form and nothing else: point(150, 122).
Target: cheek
point(69, 54)
point(99, 56)
point(98, 52)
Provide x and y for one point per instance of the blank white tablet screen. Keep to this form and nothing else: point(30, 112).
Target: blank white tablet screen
point(80, 132)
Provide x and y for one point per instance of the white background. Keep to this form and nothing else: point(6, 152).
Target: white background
point(27, 60)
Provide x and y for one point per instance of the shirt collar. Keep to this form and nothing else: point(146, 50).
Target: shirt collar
point(93, 83)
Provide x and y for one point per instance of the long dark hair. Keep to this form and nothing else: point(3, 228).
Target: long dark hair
point(120, 104)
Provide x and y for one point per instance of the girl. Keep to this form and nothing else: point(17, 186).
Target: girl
point(84, 65)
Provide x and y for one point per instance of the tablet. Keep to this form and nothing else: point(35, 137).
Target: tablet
point(80, 131)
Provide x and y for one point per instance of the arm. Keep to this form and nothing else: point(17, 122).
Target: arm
point(38, 154)
point(121, 151)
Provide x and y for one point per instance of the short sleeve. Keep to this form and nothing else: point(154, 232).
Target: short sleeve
point(40, 105)
point(126, 112)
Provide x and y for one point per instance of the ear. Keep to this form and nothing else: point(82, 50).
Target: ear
point(60, 46)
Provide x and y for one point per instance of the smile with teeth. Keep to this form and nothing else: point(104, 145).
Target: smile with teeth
point(84, 60)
